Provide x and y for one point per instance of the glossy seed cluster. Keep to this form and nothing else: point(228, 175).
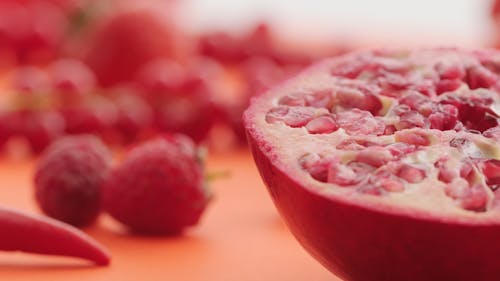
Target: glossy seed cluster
point(405, 118)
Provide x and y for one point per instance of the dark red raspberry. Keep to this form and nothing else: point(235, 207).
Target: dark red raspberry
point(159, 188)
point(69, 176)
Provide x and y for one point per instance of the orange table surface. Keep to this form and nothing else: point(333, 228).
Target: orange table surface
point(241, 237)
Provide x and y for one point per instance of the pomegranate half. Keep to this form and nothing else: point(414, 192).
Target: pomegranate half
point(385, 164)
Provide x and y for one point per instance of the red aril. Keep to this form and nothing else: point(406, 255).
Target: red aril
point(406, 192)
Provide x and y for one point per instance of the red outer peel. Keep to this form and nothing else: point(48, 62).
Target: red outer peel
point(43, 235)
point(364, 245)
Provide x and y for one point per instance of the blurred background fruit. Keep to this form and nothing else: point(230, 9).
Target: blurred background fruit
point(127, 70)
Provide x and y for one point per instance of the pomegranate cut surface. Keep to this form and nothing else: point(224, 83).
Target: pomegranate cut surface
point(397, 176)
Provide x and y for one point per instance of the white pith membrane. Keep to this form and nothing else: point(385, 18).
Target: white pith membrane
point(438, 167)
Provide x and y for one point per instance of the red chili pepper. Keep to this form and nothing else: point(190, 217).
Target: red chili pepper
point(42, 235)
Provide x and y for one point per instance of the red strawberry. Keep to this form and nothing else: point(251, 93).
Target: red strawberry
point(159, 187)
point(125, 43)
point(68, 179)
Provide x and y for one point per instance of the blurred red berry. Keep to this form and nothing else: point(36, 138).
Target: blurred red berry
point(96, 116)
point(159, 188)
point(124, 43)
point(38, 128)
point(181, 98)
point(32, 29)
point(68, 179)
point(72, 80)
point(134, 117)
point(29, 80)
point(230, 48)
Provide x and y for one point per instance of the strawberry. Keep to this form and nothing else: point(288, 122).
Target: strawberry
point(159, 187)
point(68, 179)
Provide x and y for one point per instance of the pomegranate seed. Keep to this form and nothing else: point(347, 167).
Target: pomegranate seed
point(388, 182)
point(370, 189)
point(292, 100)
point(322, 125)
point(352, 144)
point(292, 116)
point(418, 102)
point(400, 149)
point(493, 133)
point(320, 99)
point(448, 109)
point(441, 121)
point(472, 198)
point(450, 70)
point(457, 188)
point(418, 138)
point(389, 130)
point(467, 172)
point(354, 98)
point(448, 85)
point(375, 156)
point(491, 171)
point(361, 169)
point(445, 174)
point(393, 82)
point(349, 69)
point(480, 77)
point(349, 97)
point(410, 119)
point(341, 175)
point(394, 66)
point(476, 198)
point(346, 175)
point(360, 122)
point(401, 109)
point(411, 174)
point(316, 166)
point(425, 87)
point(474, 111)
point(484, 124)
point(445, 119)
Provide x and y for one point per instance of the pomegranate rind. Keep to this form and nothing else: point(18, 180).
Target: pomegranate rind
point(366, 237)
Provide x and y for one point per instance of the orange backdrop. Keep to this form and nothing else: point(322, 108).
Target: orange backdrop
point(240, 238)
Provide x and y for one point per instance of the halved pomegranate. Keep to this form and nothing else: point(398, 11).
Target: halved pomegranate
point(401, 184)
